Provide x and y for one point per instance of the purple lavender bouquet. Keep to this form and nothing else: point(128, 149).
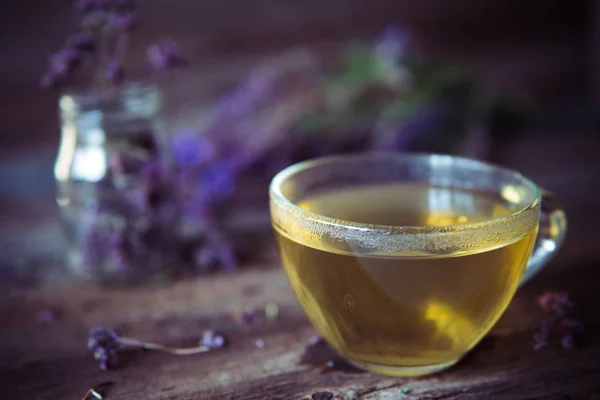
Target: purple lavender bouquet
point(369, 96)
point(114, 172)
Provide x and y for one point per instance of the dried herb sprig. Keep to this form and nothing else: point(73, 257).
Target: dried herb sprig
point(105, 28)
point(556, 306)
point(251, 316)
point(105, 345)
point(295, 107)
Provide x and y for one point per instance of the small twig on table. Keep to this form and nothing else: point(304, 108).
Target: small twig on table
point(105, 345)
point(155, 346)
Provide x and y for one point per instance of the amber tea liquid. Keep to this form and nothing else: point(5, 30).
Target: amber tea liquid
point(404, 310)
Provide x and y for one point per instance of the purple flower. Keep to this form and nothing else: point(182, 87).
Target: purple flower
point(191, 151)
point(573, 333)
point(212, 339)
point(81, 41)
point(123, 22)
point(152, 171)
point(556, 306)
point(119, 260)
point(568, 342)
point(391, 43)
point(115, 71)
point(253, 91)
point(554, 302)
point(102, 337)
point(104, 343)
point(165, 54)
point(65, 61)
point(217, 181)
point(143, 199)
point(249, 316)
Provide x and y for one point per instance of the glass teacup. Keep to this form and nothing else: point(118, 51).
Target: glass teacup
point(404, 262)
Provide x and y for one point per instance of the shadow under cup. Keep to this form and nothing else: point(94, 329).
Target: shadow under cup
point(404, 262)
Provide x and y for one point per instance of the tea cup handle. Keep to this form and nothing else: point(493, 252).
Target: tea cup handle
point(551, 234)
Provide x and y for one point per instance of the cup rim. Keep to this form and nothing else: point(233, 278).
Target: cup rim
point(280, 200)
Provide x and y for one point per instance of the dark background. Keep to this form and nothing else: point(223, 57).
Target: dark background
point(542, 49)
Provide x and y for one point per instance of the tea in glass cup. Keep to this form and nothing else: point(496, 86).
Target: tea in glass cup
point(404, 262)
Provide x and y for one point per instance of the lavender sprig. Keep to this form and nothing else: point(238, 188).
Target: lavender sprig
point(556, 303)
point(286, 110)
point(65, 61)
point(115, 71)
point(82, 41)
point(249, 316)
point(165, 54)
point(245, 124)
point(556, 306)
point(105, 27)
point(123, 22)
point(105, 345)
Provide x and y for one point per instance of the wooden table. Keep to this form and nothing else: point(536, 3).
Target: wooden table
point(49, 360)
point(41, 360)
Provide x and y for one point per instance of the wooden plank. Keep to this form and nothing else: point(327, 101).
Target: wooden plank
point(50, 361)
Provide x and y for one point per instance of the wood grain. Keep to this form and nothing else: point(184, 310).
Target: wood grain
point(50, 361)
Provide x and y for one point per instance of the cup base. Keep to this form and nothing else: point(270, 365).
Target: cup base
point(393, 370)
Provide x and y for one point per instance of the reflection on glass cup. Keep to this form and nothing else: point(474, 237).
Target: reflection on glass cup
point(404, 262)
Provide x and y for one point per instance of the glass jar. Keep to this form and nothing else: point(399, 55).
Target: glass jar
point(114, 185)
